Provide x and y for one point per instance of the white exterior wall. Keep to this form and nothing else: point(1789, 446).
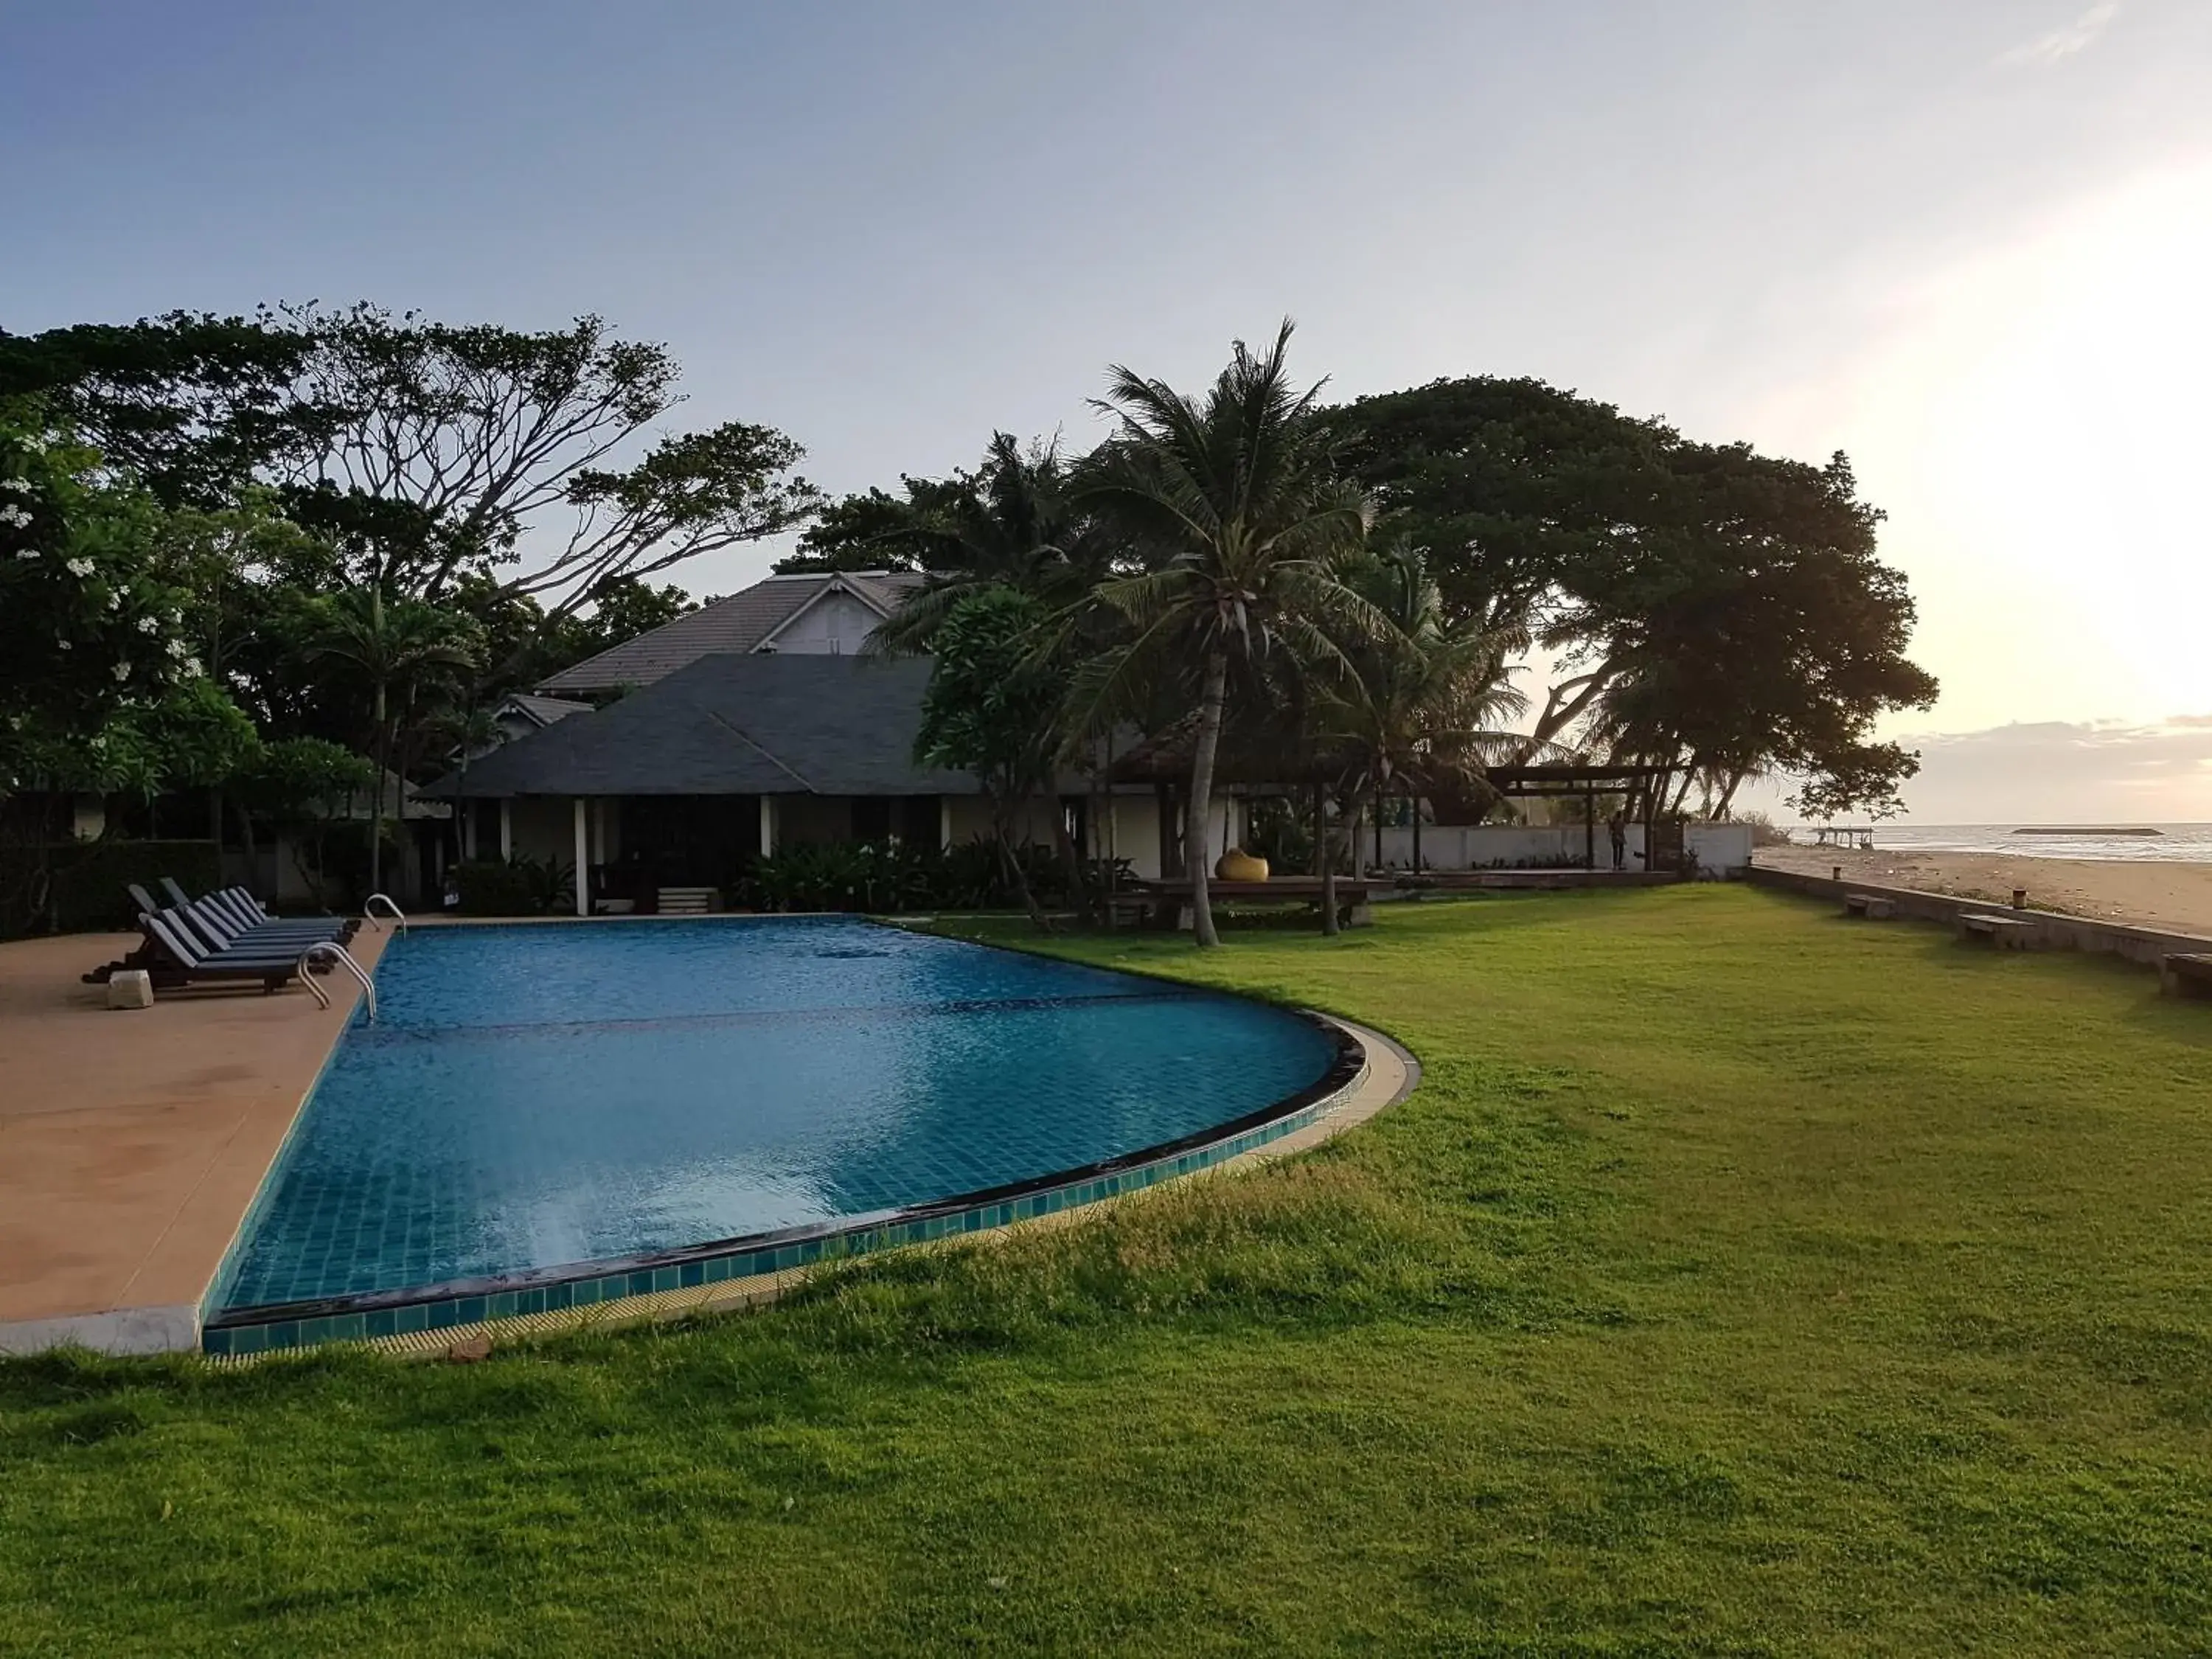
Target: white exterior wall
point(1721, 849)
point(1135, 832)
point(1501, 847)
point(971, 820)
point(1135, 836)
point(835, 625)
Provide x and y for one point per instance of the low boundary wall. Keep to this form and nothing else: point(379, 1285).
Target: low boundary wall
point(2053, 931)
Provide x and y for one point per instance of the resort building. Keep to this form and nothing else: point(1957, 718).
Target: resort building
point(821, 615)
point(729, 757)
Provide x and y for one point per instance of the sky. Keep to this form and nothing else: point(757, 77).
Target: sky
point(1970, 244)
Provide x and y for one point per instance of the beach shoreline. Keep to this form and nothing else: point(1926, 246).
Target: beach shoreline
point(2169, 895)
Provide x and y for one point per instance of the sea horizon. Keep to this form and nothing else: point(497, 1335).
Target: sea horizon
point(2174, 843)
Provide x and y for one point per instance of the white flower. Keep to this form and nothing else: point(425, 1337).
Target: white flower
point(80, 567)
point(192, 667)
point(15, 515)
point(114, 599)
point(176, 647)
point(64, 644)
point(26, 552)
point(122, 672)
point(150, 625)
point(37, 446)
point(21, 486)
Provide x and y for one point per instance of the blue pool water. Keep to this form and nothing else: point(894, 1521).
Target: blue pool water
point(533, 1097)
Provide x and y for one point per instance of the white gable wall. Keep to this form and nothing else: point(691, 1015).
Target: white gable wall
point(835, 625)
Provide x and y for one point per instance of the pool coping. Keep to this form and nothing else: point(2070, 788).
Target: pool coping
point(441, 1305)
point(1382, 1072)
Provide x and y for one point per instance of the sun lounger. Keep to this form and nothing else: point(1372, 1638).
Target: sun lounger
point(179, 963)
point(249, 911)
point(239, 908)
point(209, 931)
point(221, 920)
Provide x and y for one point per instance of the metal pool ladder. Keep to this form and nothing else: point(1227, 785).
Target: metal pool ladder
point(337, 952)
point(369, 912)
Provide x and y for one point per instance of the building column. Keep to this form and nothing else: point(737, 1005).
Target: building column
point(767, 826)
point(944, 823)
point(505, 829)
point(583, 857)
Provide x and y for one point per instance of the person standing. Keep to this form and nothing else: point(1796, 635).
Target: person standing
point(1617, 828)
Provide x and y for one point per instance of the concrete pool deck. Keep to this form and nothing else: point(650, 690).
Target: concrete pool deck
point(132, 1142)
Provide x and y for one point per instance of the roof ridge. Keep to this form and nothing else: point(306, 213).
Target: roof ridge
point(762, 750)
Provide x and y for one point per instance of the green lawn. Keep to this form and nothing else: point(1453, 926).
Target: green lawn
point(1739, 1280)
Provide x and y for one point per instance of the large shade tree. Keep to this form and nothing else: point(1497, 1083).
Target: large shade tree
point(436, 450)
point(1704, 606)
point(1233, 499)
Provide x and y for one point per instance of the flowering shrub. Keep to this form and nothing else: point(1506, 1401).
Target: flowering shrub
point(96, 682)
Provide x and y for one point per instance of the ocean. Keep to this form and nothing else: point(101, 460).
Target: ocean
point(2175, 843)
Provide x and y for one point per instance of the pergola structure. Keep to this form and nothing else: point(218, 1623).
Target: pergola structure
point(1567, 780)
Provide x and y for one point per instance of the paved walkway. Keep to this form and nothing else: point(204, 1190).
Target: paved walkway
point(132, 1142)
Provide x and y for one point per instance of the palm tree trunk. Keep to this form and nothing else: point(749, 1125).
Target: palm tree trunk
point(1325, 862)
point(1216, 693)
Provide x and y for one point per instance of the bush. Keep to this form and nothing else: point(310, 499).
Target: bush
point(520, 886)
point(74, 887)
point(887, 877)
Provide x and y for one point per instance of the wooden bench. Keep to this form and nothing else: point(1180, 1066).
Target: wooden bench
point(1870, 906)
point(2006, 932)
point(2186, 974)
point(1171, 908)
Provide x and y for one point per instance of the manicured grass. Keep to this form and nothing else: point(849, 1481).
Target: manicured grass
point(1739, 1280)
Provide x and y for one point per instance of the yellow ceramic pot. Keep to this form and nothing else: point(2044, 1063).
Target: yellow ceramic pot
point(1237, 865)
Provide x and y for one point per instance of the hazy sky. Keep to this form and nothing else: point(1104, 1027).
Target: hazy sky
point(1969, 242)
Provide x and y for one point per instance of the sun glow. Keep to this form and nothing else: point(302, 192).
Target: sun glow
point(2040, 425)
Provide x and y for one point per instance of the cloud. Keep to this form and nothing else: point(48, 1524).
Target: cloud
point(2061, 44)
point(2057, 771)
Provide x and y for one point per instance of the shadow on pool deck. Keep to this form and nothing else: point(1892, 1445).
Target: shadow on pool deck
point(132, 1142)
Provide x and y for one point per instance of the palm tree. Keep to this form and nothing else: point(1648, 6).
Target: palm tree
point(394, 645)
point(1235, 500)
point(1010, 524)
point(1426, 694)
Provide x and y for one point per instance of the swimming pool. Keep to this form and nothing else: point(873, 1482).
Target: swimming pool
point(632, 1103)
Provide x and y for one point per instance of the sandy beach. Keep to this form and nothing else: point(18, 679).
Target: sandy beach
point(2149, 894)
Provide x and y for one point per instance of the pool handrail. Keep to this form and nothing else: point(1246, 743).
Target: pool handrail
point(368, 914)
point(339, 953)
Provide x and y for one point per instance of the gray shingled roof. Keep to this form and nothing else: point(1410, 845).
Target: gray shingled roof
point(545, 710)
point(734, 725)
point(737, 623)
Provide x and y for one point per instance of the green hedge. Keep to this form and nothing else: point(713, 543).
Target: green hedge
point(521, 887)
point(77, 887)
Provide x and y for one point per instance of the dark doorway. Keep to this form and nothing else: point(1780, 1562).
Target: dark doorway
point(689, 841)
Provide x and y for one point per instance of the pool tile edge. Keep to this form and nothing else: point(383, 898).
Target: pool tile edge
point(1387, 1074)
